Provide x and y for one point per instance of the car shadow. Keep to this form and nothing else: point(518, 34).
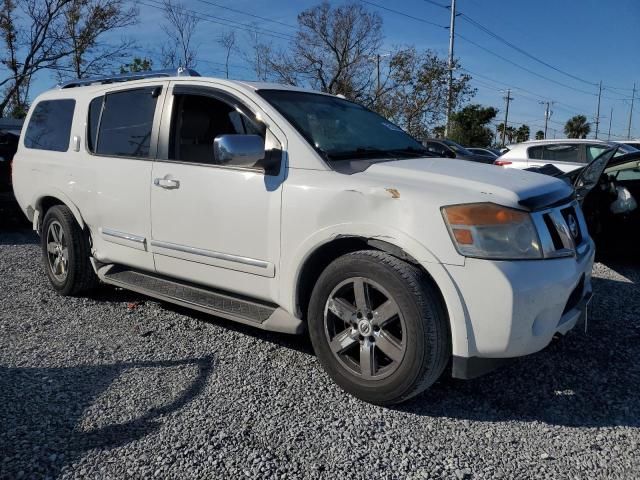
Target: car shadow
point(581, 380)
point(43, 409)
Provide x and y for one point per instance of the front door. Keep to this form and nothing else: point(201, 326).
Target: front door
point(213, 224)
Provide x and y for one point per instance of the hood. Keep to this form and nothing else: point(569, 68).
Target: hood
point(473, 181)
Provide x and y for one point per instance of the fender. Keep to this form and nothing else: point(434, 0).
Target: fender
point(35, 206)
point(461, 329)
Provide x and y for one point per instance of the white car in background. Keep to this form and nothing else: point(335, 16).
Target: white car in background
point(565, 154)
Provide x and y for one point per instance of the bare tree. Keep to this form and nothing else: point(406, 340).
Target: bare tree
point(85, 21)
point(60, 35)
point(180, 28)
point(258, 55)
point(228, 42)
point(332, 51)
point(415, 93)
point(32, 41)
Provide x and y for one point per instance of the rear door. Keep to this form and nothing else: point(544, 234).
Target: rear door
point(122, 131)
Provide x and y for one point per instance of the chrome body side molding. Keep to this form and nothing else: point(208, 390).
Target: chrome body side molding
point(224, 260)
point(123, 238)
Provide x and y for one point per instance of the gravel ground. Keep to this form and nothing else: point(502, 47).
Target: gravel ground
point(116, 385)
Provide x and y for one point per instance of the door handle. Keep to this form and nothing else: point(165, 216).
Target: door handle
point(167, 183)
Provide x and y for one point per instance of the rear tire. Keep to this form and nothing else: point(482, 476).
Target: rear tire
point(66, 253)
point(378, 327)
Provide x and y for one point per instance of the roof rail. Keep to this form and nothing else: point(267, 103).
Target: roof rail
point(127, 77)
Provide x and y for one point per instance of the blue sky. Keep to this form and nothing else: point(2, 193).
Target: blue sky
point(592, 40)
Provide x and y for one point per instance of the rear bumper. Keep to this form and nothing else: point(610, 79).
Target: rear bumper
point(515, 308)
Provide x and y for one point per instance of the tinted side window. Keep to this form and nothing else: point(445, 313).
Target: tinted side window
point(436, 148)
point(594, 150)
point(198, 120)
point(126, 123)
point(95, 108)
point(559, 153)
point(50, 125)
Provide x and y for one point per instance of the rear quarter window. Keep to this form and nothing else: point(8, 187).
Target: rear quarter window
point(566, 152)
point(49, 127)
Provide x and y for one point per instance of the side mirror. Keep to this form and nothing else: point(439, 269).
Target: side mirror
point(238, 150)
point(451, 154)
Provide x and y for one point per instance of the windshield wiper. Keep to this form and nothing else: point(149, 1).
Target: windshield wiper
point(360, 152)
point(415, 152)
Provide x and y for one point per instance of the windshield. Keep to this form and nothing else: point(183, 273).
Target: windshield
point(457, 147)
point(625, 148)
point(342, 130)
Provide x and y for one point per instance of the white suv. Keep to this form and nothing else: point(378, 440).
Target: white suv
point(566, 154)
point(288, 209)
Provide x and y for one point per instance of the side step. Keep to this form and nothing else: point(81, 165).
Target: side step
point(222, 304)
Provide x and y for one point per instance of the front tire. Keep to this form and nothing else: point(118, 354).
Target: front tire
point(378, 327)
point(66, 253)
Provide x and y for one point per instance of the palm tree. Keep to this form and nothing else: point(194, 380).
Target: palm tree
point(510, 132)
point(522, 133)
point(577, 127)
point(539, 135)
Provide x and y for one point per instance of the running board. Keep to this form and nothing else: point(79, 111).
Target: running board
point(226, 305)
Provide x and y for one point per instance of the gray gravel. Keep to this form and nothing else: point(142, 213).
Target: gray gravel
point(116, 385)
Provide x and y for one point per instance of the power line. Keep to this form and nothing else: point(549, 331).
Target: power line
point(397, 12)
point(223, 21)
point(242, 12)
point(488, 31)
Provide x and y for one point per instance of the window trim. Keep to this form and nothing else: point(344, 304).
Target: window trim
point(217, 94)
point(26, 128)
point(155, 126)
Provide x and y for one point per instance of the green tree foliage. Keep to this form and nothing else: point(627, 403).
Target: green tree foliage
point(414, 94)
point(539, 135)
point(470, 126)
point(522, 133)
point(577, 127)
point(138, 64)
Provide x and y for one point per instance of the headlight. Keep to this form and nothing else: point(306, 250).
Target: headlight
point(487, 230)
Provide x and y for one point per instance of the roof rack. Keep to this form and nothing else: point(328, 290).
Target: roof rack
point(127, 77)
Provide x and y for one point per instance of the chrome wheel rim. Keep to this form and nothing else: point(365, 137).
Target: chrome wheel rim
point(365, 329)
point(57, 251)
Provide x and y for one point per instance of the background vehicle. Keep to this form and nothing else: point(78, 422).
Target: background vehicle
point(566, 154)
point(631, 143)
point(287, 209)
point(485, 152)
point(8, 146)
point(609, 191)
point(450, 149)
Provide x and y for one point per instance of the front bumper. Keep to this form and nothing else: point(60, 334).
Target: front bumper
point(515, 308)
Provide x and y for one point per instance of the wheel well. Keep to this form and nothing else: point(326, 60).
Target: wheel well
point(327, 253)
point(46, 203)
point(43, 205)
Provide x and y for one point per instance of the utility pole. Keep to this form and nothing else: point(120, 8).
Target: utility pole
point(547, 114)
point(633, 97)
point(598, 110)
point(378, 74)
point(508, 99)
point(610, 118)
point(452, 28)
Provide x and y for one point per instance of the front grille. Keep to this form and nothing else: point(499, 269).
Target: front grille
point(562, 231)
point(575, 296)
point(567, 214)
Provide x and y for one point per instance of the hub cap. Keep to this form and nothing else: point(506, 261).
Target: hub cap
point(57, 251)
point(364, 328)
